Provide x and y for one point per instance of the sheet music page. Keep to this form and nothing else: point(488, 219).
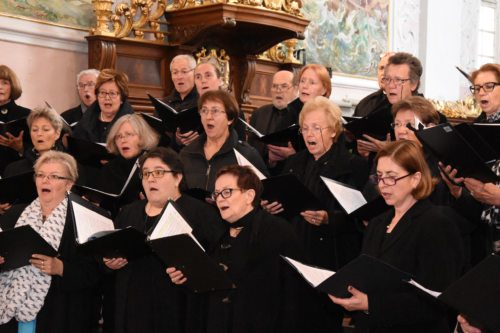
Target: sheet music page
point(428, 291)
point(349, 198)
point(244, 162)
point(251, 128)
point(89, 222)
point(174, 111)
point(315, 276)
point(171, 223)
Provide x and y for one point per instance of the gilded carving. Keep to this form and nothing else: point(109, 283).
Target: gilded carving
point(466, 108)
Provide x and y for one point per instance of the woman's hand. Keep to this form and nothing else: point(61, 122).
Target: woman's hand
point(185, 138)
point(4, 207)
point(176, 276)
point(272, 208)
point(278, 153)
point(2, 260)
point(449, 176)
point(315, 217)
point(14, 142)
point(357, 302)
point(466, 327)
point(115, 263)
point(487, 193)
point(365, 147)
point(47, 265)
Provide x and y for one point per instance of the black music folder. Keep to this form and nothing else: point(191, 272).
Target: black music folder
point(490, 133)
point(374, 124)
point(202, 272)
point(95, 233)
point(14, 127)
point(154, 122)
point(482, 146)
point(353, 202)
point(450, 147)
point(186, 120)
point(278, 138)
point(364, 273)
point(294, 196)
point(88, 153)
point(476, 294)
point(18, 189)
point(18, 244)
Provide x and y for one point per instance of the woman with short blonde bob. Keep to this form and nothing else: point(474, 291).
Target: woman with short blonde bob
point(329, 237)
point(414, 236)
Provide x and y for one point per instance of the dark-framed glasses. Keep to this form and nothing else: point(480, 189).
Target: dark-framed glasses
point(110, 94)
point(50, 177)
point(388, 181)
point(487, 87)
point(82, 85)
point(281, 87)
point(397, 81)
point(213, 111)
point(158, 173)
point(225, 193)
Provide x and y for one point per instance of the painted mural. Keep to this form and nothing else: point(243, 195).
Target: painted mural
point(346, 35)
point(71, 13)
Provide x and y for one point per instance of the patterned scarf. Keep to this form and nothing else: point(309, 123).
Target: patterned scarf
point(493, 118)
point(23, 290)
point(491, 214)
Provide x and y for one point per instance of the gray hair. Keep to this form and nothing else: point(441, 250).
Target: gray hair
point(91, 71)
point(65, 159)
point(189, 58)
point(48, 113)
point(148, 138)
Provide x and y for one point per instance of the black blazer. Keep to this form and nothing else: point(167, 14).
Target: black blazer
point(425, 243)
point(8, 112)
point(73, 115)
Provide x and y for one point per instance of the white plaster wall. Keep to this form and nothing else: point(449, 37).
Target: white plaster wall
point(45, 58)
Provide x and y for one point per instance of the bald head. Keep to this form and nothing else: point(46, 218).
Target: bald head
point(283, 90)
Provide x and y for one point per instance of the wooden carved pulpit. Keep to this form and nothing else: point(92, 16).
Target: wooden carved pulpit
point(142, 43)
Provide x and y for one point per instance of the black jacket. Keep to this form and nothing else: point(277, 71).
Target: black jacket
point(88, 126)
point(70, 304)
point(425, 243)
point(334, 244)
point(73, 115)
point(8, 112)
point(200, 173)
point(266, 298)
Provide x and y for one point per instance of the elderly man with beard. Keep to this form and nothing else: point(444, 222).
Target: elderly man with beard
point(274, 117)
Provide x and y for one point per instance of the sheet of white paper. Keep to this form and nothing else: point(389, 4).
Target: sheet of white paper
point(171, 223)
point(89, 222)
point(315, 276)
point(349, 198)
point(251, 128)
point(428, 291)
point(244, 162)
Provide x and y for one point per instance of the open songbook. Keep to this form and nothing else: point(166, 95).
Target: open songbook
point(96, 235)
point(18, 244)
point(97, 195)
point(278, 138)
point(18, 189)
point(154, 122)
point(13, 127)
point(476, 294)
point(172, 240)
point(68, 125)
point(243, 161)
point(365, 273)
point(373, 124)
point(353, 201)
point(88, 153)
point(186, 120)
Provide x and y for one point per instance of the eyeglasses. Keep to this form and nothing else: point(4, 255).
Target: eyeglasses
point(388, 181)
point(50, 177)
point(87, 84)
point(159, 173)
point(313, 130)
point(182, 72)
point(125, 135)
point(399, 124)
point(282, 87)
point(487, 87)
point(398, 82)
point(213, 111)
point(225, 193)
point(110, 94)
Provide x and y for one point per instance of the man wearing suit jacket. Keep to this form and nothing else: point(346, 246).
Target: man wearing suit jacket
point(274, 117)
point(85, 83)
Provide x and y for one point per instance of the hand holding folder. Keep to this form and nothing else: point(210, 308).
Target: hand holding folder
point(278, 138)
point(186, 120)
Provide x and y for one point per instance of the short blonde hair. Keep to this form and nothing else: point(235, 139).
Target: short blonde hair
point(50, 114)
point(66, 160)
point(15, 87)
point(332, 112)
point(148, 138)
